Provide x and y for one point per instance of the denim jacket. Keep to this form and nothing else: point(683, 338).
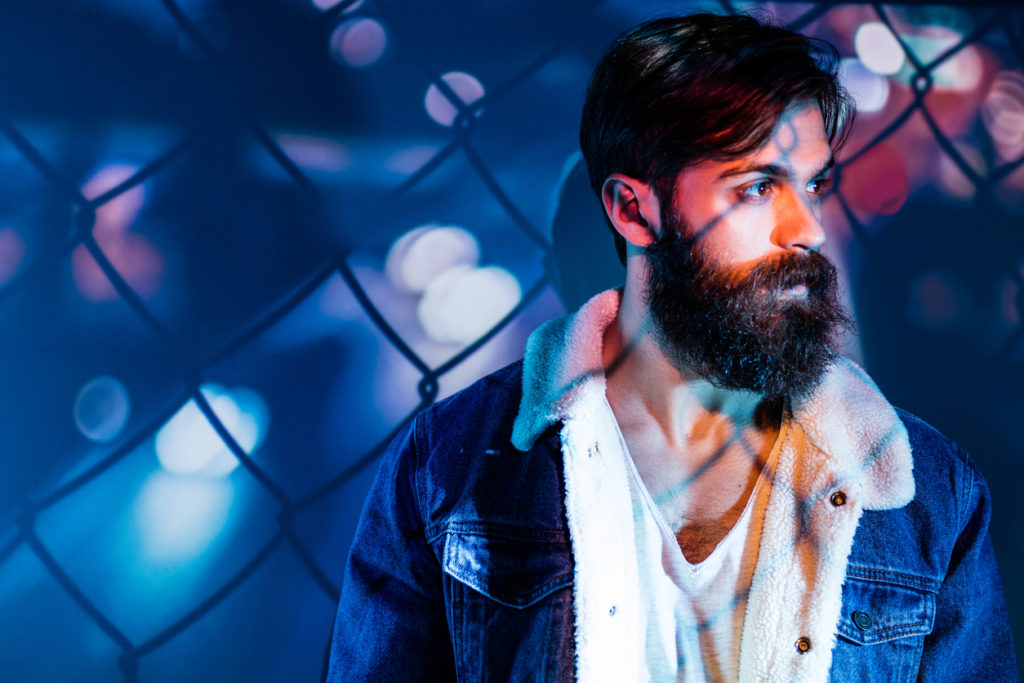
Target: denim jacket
point(468, 564)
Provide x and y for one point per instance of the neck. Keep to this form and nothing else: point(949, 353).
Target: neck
point(685, 406)
point(698, 448)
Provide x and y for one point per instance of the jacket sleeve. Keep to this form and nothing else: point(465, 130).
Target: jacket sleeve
point(391, 623)
point(971, 638)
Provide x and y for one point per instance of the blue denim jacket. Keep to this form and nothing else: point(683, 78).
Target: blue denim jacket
point(462, 567)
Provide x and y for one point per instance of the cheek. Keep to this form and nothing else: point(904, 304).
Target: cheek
point(746, 239)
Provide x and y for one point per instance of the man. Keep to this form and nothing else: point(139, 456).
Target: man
point(684, 481)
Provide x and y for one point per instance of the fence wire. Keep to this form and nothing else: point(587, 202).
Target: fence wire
point(1001, 26)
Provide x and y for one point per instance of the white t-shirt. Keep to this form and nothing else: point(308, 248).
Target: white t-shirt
point(694, 611)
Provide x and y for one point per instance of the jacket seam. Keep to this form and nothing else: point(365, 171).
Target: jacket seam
point(966, 492)
point(903, 627)
point(528, 598)
point(900, 629)
point(508, 532)
point(883, 635)
point(417, 427)
point(892, 577)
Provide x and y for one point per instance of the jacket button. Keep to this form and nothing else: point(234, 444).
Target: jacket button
point(838, 498)
point(803, 645)
point(862, 620)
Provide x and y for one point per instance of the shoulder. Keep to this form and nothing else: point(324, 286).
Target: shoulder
point(944, 473)
point(499, 387)
point(918, 538)
point(468, 470)
point(483, 410)
point(924, 436)
point(940, 464)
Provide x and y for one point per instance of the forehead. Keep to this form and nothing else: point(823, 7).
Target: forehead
point(799, 134)
point(798, 145)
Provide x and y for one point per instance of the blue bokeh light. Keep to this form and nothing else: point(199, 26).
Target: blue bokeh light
point(189, 445)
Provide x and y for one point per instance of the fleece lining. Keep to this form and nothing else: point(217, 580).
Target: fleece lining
point(845, 437)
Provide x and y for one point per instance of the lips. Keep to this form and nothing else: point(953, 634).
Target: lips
point(794, 292)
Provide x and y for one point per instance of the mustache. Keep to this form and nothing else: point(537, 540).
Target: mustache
point(787, 270)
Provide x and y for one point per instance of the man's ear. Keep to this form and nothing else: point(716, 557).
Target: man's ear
point(632, 207)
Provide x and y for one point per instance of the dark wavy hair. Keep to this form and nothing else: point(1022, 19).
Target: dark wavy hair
point(676, 91)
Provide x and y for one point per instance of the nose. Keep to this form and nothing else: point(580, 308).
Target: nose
point(798, 223)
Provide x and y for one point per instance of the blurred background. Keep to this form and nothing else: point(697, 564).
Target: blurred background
point(243, 241)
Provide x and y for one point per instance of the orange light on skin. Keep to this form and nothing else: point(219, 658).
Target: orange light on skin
point(744, 209)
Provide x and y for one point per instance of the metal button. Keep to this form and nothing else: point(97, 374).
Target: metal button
point(838, 498)
point(803, 644)
point(862, 620)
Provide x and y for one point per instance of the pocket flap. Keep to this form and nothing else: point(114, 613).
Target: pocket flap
point(513, 569)
point(875, 612)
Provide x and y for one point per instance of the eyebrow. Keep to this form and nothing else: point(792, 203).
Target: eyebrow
point(774, 170)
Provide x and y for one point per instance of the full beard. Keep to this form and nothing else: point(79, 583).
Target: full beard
point(742, 331)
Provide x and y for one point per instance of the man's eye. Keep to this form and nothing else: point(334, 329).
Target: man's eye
point(758, 190)
point(819, 186)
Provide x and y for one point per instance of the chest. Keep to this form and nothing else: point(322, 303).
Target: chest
point(698, 484)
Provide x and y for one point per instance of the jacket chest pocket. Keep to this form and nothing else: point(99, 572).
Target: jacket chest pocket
point(509, 604)
point(513, 570)
point(881, 631)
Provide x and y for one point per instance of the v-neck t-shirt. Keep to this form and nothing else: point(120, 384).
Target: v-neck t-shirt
point(694, 612)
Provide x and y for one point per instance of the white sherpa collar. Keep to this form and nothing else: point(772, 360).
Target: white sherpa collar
point(846, 417)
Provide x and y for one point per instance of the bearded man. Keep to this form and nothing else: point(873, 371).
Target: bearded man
point(684, 481)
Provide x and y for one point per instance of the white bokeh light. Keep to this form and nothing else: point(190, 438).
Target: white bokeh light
point(179, 517)
point(464, 302)
point(359, 42)
point(101, 409)
point(869, 90)
point(878, 49)
point(188, 444)
point(440, 108)
point(420, 255)
point(1003, 113)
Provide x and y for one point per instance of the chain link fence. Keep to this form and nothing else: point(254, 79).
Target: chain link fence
point(294, 143)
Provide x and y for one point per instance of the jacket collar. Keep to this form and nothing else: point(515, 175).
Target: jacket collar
point(846, 418)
